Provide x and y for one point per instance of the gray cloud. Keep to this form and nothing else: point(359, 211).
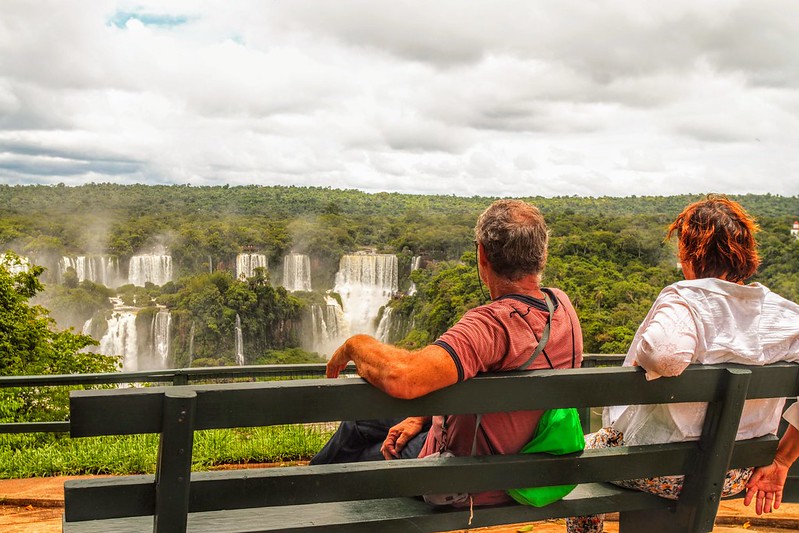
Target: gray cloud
point(486, 97)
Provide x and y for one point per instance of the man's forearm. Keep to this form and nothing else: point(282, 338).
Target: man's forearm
point(393, 370)
point(376, 362)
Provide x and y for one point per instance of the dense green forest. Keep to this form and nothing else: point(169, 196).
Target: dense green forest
point(608, 254)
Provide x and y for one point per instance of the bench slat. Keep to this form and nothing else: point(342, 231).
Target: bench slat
point(388, 515)
point(236, 489)
point(131, 411)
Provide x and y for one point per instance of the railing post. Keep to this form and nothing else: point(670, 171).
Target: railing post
point(173, 471)
point(701, 493)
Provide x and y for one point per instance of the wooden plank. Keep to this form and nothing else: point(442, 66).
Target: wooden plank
point(773, 381)
point(34, 427)
point(173, 472)
point(299, 401)
point(249, 488)
point(111, 497)
point(134, 495)
point(390, 515)
point(115, 412)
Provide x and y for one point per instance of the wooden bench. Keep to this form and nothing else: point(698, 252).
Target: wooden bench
point(379, 496)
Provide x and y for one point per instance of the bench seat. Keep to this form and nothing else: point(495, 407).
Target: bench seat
point(379, 496)
point(388, 515)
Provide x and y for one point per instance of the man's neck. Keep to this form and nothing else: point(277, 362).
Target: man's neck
point(528, 285)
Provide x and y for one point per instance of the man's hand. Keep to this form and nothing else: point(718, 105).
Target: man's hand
point(338, 361)
point(765, 487)
point(399, 435)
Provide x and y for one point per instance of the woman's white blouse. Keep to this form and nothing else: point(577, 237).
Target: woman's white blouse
point(707, 321)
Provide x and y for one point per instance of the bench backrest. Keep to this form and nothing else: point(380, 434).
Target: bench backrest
point(176, 412)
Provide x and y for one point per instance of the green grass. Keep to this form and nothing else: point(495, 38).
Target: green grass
point(28, 455)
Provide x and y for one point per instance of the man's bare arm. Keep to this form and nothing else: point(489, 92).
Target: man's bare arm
point(397, 372)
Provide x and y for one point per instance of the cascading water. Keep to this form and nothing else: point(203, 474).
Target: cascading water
point(156, 269)
point(160, 334)
point(141, 344)
point(297, 272)
point(336, 323)
point(365, 284)
point(191, 343)
point(247, 263)
point(384, 326)
point(328, 327)
point(120, 338)
point(416, 263)
point(239, 342)
point(100, 269)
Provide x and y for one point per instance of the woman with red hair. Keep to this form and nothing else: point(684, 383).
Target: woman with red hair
point(711, 317)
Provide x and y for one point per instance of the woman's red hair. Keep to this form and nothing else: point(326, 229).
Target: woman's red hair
point(716, 236)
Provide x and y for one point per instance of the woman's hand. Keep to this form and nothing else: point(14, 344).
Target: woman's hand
point(765, 487)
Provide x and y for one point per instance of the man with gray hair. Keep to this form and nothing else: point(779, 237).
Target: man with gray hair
point(505, 334)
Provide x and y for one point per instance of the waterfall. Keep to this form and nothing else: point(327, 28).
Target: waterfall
point(142, 343)
point(22, 264)
point(100, 269)
point(120, 339)
point(335, 322)
point(297, 272)
point(416, 263)
point(328, 327)
point(365, 284)
point(160, 334)
point(156, 269)
point(239, 342)
point(247, 263)
point(384, 326)
point(191, 343)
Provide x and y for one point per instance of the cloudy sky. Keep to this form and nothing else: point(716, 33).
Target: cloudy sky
point(461, 97)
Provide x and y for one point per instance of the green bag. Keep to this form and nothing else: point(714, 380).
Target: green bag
point(559, 432)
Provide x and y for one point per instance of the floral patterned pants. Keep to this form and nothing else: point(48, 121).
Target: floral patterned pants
point(663, 486)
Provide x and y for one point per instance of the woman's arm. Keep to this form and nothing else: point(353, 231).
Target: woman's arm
point(668, 343)
point(767, 482)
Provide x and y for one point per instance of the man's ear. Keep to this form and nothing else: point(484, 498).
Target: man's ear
point(482, 257)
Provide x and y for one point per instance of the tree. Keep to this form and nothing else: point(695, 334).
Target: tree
point(29, 345)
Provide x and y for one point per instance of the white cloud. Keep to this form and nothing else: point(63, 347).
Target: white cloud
point(502, 97)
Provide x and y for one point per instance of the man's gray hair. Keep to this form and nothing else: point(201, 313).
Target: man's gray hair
point(515, 237)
